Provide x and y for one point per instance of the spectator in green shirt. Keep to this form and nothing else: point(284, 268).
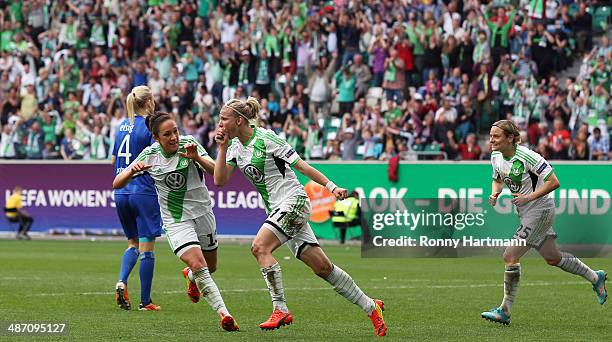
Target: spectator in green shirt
point(346, 83)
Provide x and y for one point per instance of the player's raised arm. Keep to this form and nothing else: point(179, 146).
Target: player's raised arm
point(222, 170)
point(198, 154)
point(126, 175)
point(316, 175)
point(195, 152)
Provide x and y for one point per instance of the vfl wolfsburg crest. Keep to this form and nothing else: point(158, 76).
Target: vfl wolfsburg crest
point(253, 173)
point(515, 176)
point(183, 162)
point(258, 153)
point(176, 180)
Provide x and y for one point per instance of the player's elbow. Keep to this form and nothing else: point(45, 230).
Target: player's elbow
point(219, 180)
point(555, 183)
point(117, 184)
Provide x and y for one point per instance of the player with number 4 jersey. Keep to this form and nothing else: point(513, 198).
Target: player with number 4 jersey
point(136, 204)
point(268, 162)
point(531, 179)
point(177, 165)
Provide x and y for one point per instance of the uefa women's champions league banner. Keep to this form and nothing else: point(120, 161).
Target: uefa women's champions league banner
point(79, 196)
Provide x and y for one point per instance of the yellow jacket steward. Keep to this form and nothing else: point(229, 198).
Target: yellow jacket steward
point(346, 210)
point(13, 204)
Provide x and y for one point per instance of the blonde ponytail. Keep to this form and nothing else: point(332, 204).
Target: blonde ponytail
point(136, 101)
point(254, 107)
point(248, 109)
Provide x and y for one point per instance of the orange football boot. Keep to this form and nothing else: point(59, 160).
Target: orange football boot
point(276, 320)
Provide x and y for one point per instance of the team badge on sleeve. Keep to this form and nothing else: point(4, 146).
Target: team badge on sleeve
point(542, 167)
point(289, 153)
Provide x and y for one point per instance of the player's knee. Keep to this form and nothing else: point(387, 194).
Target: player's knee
point(197, 265)
point(510, 259)
point(259, 250)
point(552, 261)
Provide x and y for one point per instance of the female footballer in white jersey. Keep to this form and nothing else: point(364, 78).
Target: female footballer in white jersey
point(530, 178)
point(176, 164)
point(266, 160)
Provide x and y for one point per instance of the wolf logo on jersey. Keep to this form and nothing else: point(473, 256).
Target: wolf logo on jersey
point(515, 176)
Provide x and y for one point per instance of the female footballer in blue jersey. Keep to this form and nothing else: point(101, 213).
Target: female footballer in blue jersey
point(136, 203)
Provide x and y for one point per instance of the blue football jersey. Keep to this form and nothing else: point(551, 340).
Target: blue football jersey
point(130, 140)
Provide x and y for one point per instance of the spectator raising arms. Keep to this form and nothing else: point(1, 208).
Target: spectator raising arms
point(309, 61)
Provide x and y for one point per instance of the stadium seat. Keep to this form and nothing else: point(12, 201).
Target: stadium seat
point(601, 18)
point(374, 96)
point(432, 148)
point(360, 152)
point(573, 9)
point(331, 135)
point(321, 122)
point(335, 122)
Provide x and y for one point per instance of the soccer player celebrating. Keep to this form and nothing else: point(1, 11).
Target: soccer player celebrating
point(136, 203)
point(176, 164)
point(530, 178)
point(266, 160)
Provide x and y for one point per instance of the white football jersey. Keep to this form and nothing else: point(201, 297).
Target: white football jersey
point(265, 160)
point(523, 173)
point(179, 181)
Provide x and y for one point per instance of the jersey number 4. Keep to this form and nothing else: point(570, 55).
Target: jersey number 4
point(125, 153)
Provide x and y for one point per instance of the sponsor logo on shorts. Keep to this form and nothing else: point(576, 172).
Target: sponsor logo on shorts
point(253, 173)
point(176, 180)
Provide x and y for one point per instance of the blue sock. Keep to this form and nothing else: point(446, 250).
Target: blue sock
point(147, 263)
point(130, 256)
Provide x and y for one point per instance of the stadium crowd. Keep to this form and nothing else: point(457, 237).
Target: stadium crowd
point(339, 80)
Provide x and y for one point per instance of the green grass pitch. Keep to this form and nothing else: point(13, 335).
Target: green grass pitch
point(426, 299)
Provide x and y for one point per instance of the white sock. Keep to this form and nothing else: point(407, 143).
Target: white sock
point(512, 277)
point(209, 290)
point(346, 287)
point(571, 264)
point(274, 280)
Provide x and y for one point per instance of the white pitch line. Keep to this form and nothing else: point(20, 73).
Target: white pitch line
point(399, 287)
